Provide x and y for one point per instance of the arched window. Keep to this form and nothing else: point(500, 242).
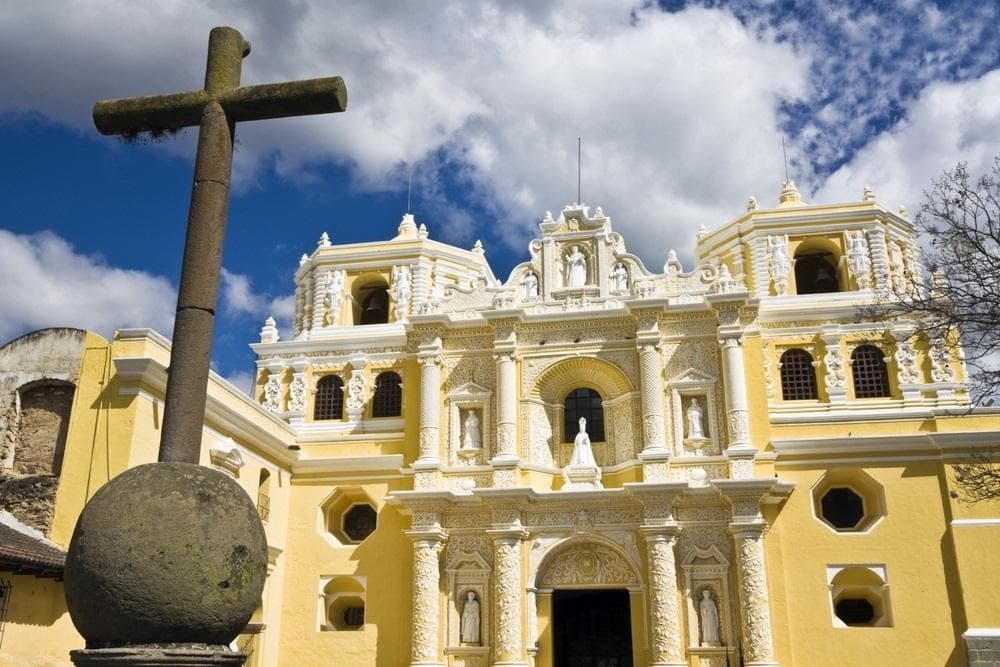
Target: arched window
point(329, 403)
point(815, 273)
point(871, 378)
point(588, 404)
point(264, 494)
point(798, 376)
point(374, 304)
point(388, 398)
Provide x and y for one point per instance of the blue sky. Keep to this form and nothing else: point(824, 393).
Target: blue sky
point(681, 107)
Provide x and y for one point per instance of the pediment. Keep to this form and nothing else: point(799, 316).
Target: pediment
point(469, 390)
point(692, 376)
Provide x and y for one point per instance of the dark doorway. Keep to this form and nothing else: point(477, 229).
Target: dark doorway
point(591, 629)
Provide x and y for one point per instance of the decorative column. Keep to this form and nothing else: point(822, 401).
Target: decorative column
point(319, 295)
point(505, 458)
point(273, 387)
point(430, 407)
point(660, 530)
point(508, 588)
point(835, 377)
point(426, 642)
point(755, 606)
point(665, 630)
point(748, 528)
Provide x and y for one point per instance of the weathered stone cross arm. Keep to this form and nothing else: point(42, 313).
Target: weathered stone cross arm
point(164, 113)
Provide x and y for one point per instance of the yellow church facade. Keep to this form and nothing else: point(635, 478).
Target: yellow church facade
point(586, 463)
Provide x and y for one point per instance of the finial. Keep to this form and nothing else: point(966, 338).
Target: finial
point(303, 259)
point(269, 332)
point(548, 217)
point(407, 227)
point(868, 194)
point(324, 240)
point(478, 247)
point(903, 213)
point(752, 204)
point(599, 213)
point(702, 231)
point(422, 231)
point(789, 195)
point(672, 255)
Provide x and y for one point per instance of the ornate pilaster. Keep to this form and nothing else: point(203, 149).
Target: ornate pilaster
point(426, 642)
point(665, 630)
point(274, 388)
point(835, 376)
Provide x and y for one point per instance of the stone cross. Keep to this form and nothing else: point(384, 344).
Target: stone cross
point(215, 109)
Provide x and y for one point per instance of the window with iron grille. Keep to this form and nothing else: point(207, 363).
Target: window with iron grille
point(388, 398)
point(871, 378)
point(798, 376)
point(588, 404)
point(329, 403)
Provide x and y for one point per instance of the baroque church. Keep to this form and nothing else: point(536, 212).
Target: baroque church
point(591, 462)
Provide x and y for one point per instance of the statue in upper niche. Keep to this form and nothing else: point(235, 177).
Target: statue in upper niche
point(576, 268)
point(696, 427)
point(619, 278)
point(530, 286)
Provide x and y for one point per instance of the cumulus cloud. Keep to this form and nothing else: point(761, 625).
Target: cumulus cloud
point(239, 298)
point(949, 123)
point(46, 283)
point(673, 108)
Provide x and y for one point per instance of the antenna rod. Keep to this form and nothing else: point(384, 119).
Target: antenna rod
point(579, 155)
point(785, 156)
point(409, 187)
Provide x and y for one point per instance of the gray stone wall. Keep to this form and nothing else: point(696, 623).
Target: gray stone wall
point(38, 376)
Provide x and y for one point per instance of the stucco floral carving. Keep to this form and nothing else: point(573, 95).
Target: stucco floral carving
point(587, 563)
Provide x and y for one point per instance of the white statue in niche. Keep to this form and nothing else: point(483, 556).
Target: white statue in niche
point(470, 619)
point(529, 288)
point(576, 268)
point(695, 421)
point(780, 266)
point(709, 613)
point(472, 435)
point(583, 455)
point(619, 278)
point(334, 296)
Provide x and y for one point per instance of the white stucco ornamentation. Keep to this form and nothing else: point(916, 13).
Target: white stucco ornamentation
point(356, 391)
point(941, 370)
point(297, 393)
point(334, 297)
point(906, 362)
point(402, 291)
point(587, 563)
point(834, 362)
point(272, 393)
point(859, 259)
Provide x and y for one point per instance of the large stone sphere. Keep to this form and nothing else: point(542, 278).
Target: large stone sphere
point(164, 553)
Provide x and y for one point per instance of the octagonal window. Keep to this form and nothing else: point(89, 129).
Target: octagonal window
point(359, 522)
point(855, 611)
point(842, 508)
point(848, 501)
point(349, 515)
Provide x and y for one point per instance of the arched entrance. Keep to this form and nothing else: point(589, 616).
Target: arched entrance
point(590, 605)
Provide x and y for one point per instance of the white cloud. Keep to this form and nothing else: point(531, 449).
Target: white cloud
point(238, 298)
point(46, 283)
point(242, 380)
point(679, 112)
point(949, 123)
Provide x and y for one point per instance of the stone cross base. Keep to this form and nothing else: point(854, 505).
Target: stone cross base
point(189, 655)
point(582, 478)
